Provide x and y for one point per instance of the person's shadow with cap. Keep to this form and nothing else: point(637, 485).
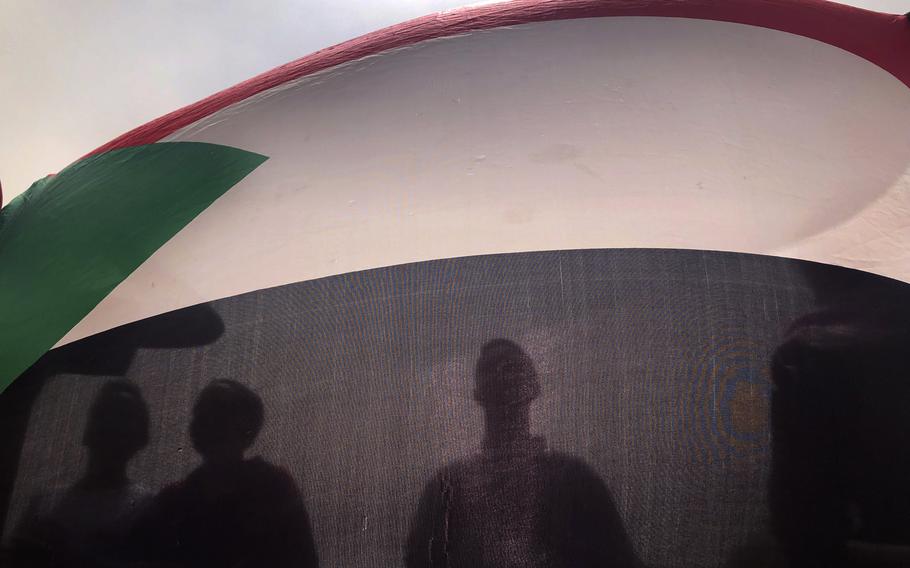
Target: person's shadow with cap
point(88, 523)
point(230, 511)
point(515, 504)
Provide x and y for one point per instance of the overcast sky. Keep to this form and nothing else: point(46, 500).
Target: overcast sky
point(74, 75)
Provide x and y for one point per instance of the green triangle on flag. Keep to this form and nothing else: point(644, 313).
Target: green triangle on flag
point(71, 238)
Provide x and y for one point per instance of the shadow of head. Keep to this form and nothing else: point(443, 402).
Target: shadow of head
point(505, 376)
point(118, 423)
point(854, 291)
point(227, 418)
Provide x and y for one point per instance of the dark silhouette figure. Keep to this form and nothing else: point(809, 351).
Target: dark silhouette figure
point(841, 428)
point(88, 523)
point(515, 504)
point(108, 354)
point(230, 511)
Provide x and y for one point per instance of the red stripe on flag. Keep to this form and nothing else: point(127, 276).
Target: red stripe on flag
point(883, 39)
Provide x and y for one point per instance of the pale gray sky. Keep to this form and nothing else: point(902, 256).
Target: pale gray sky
point(74, 75)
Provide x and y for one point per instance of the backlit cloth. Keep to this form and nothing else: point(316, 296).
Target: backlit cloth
point(692, 408)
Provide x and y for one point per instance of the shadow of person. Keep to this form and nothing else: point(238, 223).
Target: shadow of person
point(515, 504)
point(88, 523)
point(107, 354)
point(230, 511)
point(840, 427)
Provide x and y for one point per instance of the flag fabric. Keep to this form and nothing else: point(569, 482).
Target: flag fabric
point(560, 126)
point(544, 283)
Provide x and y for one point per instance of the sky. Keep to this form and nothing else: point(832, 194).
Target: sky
point(74, 75)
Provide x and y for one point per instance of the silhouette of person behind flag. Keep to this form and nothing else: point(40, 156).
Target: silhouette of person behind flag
point(230, 511)
point(840, 431)
point(515, 504)
point(88, 524)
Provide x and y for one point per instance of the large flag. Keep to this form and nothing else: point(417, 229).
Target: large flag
point(748, 126)
point(665, 225)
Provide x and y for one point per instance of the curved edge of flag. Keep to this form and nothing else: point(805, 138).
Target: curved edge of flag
point(882, 39)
